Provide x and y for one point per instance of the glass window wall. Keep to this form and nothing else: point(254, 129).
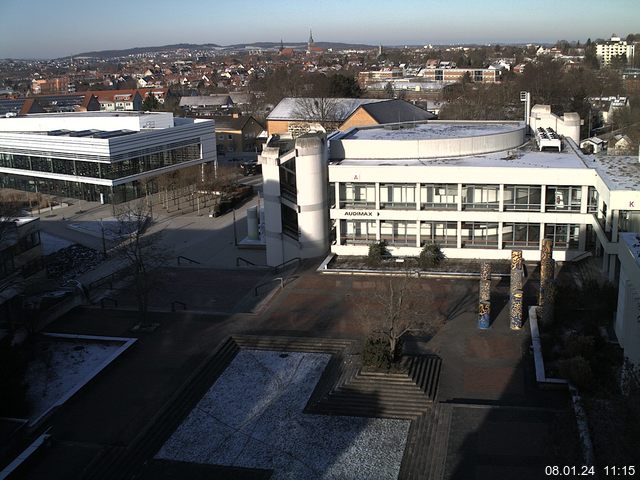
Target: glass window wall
point(439, 196)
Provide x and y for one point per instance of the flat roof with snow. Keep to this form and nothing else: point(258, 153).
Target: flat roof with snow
point(431, 130)
point(619, 172)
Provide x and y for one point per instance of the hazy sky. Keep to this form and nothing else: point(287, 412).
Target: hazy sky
point(46, 28)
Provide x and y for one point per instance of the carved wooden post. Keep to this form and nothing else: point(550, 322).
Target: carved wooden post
point(485, 282)
point(515, 310)
point(484, 315)
point(546, 255)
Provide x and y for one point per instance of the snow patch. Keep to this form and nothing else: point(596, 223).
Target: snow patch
point(252, 417)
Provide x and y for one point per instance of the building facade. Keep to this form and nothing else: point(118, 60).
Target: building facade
point(615, 47)
point(478, 189)
point(100, 156)
point(450, 75)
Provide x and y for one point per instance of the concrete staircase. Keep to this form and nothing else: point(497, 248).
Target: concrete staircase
point(425, 453)
point(363, 393)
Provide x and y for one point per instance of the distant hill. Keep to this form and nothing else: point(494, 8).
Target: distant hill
point(139, 50)
point(213, 46)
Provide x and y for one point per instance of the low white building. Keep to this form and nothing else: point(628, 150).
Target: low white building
point(100, 156)
point(627, 326)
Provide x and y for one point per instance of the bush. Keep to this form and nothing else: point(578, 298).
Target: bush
point(431, 256)
point(377, 252)
point(579, 346)
point(376, 353)
point(578, 371)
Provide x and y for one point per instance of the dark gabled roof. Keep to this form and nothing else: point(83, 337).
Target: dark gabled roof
point(19, 106)
point(229, 122)
point(394, 111)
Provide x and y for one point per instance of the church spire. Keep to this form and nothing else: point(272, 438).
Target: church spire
point(310, 42)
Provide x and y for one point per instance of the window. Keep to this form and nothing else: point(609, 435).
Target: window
point(357, 195)
point(521, 235)
point(564, 236)
point(331, 195)
point(288, 188)
point(478, 234)
point(444, 234)
point(439, 196)
point(398, 232)
point(401, 196)
point(229, 137)
point(355, 232)
point(522, 197)
point(593, 198)
point(289, 222)
point(480, 197)
point(564, 199)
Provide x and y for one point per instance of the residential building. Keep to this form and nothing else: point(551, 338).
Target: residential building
point(481, 75)
point(607, 106)
point(296, 115)
point(237, 137)
point(615, 47)
point(203, 105)
point(119, 100)
point(368, 77)
point(100, 156)
point(390, 111)
point(19, 106)
point(73, 102)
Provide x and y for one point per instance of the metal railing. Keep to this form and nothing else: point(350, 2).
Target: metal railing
point(268, 282)
point(283, 265)
point(177, 303)
point(188, 260)
point(246, 262)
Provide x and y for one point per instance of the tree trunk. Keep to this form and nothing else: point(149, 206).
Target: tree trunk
point(393, 345)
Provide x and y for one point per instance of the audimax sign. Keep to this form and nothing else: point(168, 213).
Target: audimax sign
point(361, 213)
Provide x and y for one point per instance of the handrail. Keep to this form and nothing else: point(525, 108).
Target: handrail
point(113, 300)
point(284, 264)
point(278, 279)
point(187, 259)
point(177, 302)
point(239, 259)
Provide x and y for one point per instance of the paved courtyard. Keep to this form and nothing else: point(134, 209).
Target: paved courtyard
point(484, 372)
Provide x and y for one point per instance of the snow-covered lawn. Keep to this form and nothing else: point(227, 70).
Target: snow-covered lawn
point(252, 417)
point(60, 366)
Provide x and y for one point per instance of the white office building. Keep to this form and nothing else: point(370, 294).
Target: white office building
point(100, 156)
point(478, 189)
point(615, 47)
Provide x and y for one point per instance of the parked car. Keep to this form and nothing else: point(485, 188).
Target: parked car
point(250, 168)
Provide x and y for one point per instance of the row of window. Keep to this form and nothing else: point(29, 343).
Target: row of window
point(87, 191)
point(473, 234)
point(474, 197)
point(110, 171)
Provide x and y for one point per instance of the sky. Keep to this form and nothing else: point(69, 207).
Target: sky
point(51, 29)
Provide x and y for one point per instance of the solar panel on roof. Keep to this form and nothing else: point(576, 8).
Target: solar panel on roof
point(112, 134)
point(82, 133)
point(57, 133)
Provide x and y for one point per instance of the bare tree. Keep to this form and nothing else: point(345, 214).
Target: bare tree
point(143, 252)
point(400, 305)
point(326, 111)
